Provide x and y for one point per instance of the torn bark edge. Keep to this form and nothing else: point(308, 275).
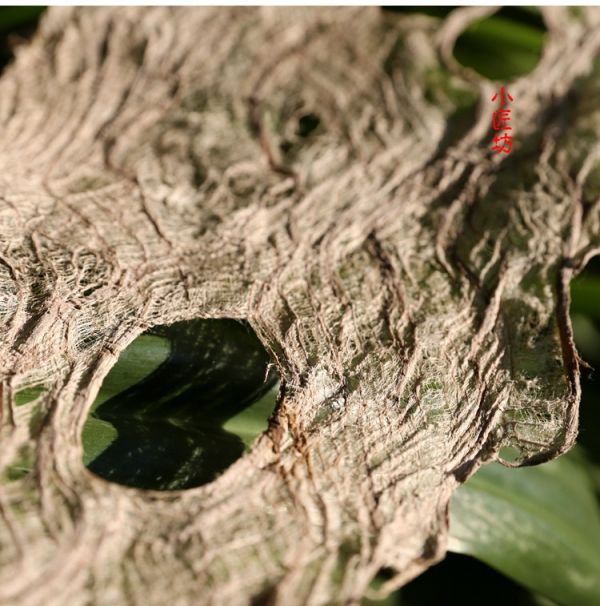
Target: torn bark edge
point(571, 361)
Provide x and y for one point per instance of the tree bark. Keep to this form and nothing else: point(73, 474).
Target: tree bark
point(410, 285)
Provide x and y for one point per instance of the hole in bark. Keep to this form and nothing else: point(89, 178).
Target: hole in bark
point(182, 403)
point(504, 46)
point(17, 26)
point(383, 575)
point(509, 454)
point(307, 124)
point(386, 573)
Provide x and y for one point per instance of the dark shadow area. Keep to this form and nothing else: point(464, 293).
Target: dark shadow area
point(307, 124)
point(460, 579)
point(169, 425)
point(17, 26)
point(585, 313)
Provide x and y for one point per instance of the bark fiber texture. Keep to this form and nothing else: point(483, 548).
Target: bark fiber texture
point(410, 285)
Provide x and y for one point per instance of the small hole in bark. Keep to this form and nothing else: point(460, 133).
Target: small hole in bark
point(510, 454)
point(307, 124)
point(504, 46)
point(286, 146)
point(386, 573)
point(266, 597)
point(383, 575)
point(182, 403)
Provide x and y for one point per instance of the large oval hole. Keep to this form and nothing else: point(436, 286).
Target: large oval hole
point(181, 404)
point(503, 46)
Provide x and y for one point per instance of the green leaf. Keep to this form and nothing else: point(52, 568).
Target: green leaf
point(252, 421)
point(140, 359)
point(539, 526)
point(587, 337)
point(500, 48)
point(585, 295)
point(97, 436)
point(29, 394)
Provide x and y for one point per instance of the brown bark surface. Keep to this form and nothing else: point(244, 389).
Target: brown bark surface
point(411, 286)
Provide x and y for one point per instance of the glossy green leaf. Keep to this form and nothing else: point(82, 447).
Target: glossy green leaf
point(139, 359)
point(29, 394)
point(539, 525)
point(252, 421)
point(97, 436)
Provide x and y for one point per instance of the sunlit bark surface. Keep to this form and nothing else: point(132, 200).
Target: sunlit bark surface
point(326, 175)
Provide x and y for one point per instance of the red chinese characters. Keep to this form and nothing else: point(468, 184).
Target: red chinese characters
point(500, 118)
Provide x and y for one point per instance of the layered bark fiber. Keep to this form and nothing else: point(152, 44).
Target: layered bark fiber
point(411, 286)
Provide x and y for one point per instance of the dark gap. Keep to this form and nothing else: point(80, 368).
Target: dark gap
point(307, 124)
point(585, 316)
point(183, 403)
point(528, 15)
point(266, 597)
point(463, 580)
point(386, 573)
point(17, 26)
